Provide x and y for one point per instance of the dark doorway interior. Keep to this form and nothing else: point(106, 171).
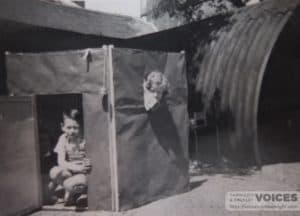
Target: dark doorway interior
point(49, 115)
point(279, 105)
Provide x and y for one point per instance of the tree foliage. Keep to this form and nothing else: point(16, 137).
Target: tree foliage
point(192, 10)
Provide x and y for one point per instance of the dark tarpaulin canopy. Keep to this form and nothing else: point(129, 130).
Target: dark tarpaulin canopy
point(137, 156)
point(16, 15)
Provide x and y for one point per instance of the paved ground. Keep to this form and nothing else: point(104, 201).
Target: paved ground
point(208, 194)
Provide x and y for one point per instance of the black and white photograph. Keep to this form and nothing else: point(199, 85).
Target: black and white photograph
point(149, 107)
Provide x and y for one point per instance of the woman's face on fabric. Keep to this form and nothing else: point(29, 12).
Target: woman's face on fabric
point(155, 82)
point(70, 127)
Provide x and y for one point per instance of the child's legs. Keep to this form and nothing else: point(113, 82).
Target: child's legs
point(76, 184)
point(58, 174)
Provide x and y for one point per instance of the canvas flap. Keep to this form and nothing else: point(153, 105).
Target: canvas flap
point(19, 159)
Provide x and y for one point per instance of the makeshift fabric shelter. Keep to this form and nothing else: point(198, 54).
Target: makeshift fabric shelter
point(137, 156)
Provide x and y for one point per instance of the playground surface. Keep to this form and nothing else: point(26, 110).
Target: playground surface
point(207, 194)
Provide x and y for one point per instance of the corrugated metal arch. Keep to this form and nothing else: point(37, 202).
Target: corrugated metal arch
point(234, 63)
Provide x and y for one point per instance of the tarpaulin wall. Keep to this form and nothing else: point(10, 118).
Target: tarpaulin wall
point(151, 146)
point(79, 72)
point(137, 156)
point(19, 171)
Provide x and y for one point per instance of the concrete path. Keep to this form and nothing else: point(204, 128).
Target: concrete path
point(207, 195)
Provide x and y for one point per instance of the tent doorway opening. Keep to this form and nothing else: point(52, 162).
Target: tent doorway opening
point(279, 104)
point(52, 111)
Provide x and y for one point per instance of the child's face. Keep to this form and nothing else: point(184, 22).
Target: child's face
point(70, 127)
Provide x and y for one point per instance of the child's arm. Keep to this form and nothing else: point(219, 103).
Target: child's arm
point(61, 158)
point(76, 167)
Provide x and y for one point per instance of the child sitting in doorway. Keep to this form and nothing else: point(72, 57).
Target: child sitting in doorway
point(73, 165)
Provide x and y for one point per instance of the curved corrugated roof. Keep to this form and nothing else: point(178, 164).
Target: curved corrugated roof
point(234, 64)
